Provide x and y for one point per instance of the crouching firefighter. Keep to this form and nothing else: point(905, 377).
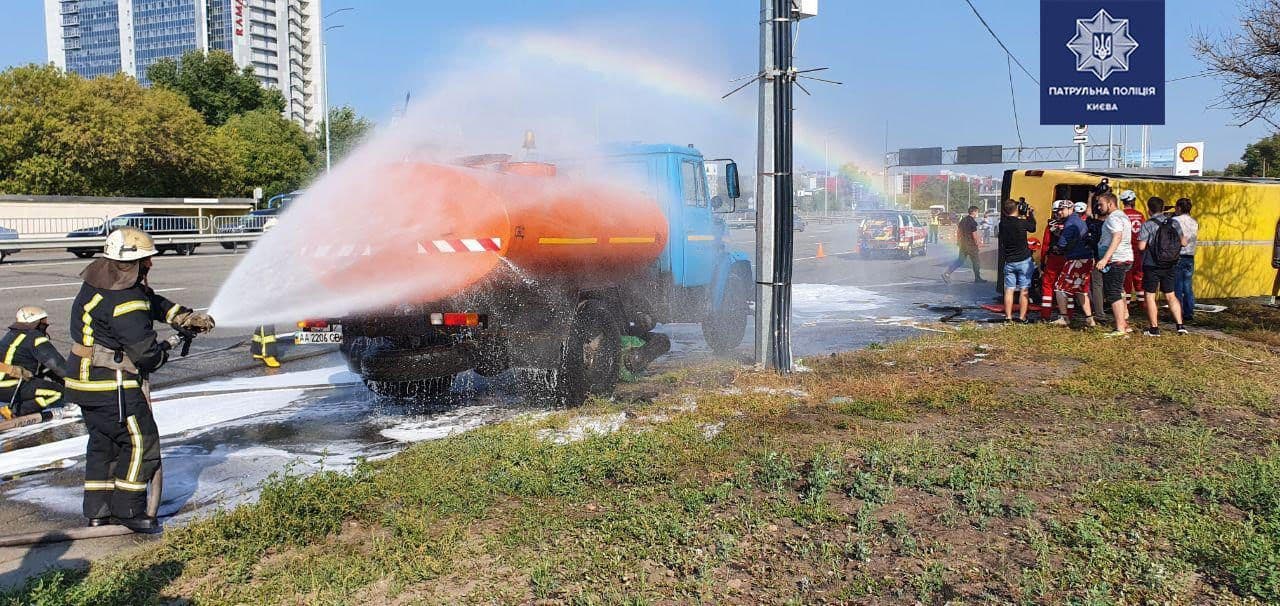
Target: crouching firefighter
point(115, 352)
point(263, 346)
point(32, 369)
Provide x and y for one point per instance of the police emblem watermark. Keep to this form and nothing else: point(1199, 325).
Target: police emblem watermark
point(1102, 45)
point(1102, 62)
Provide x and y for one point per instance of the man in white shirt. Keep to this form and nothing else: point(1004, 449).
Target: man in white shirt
point(1115, 250)
point(1186, 268)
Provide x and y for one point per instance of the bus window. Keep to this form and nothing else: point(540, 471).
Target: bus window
point(1075, 193)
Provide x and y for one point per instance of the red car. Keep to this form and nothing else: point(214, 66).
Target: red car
point(892, 232)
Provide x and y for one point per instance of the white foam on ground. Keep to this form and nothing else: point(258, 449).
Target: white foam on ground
point(821, 299)
point(332, 375)
point(172, 417)
point(442, 426)
point(580, 427)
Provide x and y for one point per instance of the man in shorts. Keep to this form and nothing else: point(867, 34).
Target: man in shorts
point(1157, 268)
point(1115, 257)
point(1015, 256)
point(1074, 279)
point(1133, 283)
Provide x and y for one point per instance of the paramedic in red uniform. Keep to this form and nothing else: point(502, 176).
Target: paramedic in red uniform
point(1133, 282)
point(1051, 257)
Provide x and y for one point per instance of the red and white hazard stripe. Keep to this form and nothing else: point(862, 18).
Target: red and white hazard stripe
point(475, 245)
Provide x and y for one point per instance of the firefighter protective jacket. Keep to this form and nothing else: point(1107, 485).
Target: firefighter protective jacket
point(120, 321)
point(28, 347)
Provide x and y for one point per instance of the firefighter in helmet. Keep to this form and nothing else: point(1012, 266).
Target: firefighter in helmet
point(31, 369)
point(115, 350)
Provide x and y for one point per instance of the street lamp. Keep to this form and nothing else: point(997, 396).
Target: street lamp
point(324, 51)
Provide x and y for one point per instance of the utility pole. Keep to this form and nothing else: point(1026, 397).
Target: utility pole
point(826, 175)
point(328, 156)
point(324, 66)
point(764, 192)
point(774, 189)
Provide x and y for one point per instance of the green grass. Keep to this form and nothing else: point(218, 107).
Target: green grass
point(890, 475)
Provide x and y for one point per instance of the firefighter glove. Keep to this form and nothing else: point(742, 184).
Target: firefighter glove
point(194, 321)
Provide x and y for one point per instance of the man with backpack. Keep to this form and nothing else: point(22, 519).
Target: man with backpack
point(1161, 242)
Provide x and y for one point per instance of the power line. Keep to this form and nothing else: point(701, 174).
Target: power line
point(1017, 125)
point(1001, 42)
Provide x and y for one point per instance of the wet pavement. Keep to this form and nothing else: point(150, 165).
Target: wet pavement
point(224, 434)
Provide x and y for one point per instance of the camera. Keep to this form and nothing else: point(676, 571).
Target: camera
point(1102, 187)
point(1023, 208)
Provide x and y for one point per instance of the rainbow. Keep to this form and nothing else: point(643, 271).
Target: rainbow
point(662, 75)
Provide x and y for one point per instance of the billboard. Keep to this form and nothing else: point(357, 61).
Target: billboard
point(1102, 62)
point(979, 154)
point(920, 156)
point(1189, 159)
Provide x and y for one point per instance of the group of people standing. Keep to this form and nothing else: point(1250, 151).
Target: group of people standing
point(1099, 256)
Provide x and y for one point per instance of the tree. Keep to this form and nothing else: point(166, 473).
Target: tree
point(1260, 159)
point(347, 130)
point(934, 191)
point(62, 134)
point(273, 153)
point(214, 86)
point(1248, 62)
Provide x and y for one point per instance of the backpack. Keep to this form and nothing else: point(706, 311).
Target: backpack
point(1166, 244)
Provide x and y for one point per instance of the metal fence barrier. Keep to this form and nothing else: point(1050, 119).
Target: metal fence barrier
point(47, 227)
point(240, 223)
point(54, 233)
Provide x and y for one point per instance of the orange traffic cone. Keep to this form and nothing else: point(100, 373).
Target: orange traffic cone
point(821, 253)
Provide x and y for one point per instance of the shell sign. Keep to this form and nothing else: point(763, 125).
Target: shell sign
point(1190, 160)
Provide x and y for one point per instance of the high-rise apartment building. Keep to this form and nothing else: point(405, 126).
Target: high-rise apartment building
point(279, 39)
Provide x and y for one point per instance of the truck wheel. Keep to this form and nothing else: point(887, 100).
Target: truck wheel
point(725, 328)
point(592, 356)
point(353, 352)
point(229, 245)
point(422, 390)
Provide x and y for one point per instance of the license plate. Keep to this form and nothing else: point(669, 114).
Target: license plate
point(317, 338)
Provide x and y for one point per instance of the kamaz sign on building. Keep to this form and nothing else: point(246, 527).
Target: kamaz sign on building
point(1102, 62)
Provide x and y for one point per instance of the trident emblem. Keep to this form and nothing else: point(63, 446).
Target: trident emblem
point(1102, 45)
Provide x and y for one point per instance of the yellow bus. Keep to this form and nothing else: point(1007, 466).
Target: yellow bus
point(1238, 218)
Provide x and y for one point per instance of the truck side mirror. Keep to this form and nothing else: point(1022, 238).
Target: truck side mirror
point(731, 177)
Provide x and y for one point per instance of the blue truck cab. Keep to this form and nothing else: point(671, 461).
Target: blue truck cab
point(697, 262)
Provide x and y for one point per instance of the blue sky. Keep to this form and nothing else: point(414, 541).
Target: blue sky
point(927, 68)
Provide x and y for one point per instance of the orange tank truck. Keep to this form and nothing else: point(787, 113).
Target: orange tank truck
point(516, 266)
point(456, 224)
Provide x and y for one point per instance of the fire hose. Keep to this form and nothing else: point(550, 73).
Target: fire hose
point(154, 495)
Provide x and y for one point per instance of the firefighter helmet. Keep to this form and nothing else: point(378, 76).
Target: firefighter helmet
point(31, 314)
point(1128, 197)
point(129, 244)
point(1080, 207)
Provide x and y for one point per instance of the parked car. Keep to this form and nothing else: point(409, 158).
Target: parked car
point(252, 223)
point(896, 232)
point(156, 224)
point(7, 234)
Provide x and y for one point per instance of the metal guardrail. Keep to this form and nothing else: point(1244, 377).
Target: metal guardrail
point(240, 223)
point(160, 239)
point(51, 233)
point(49, 226)
point(54, 226)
